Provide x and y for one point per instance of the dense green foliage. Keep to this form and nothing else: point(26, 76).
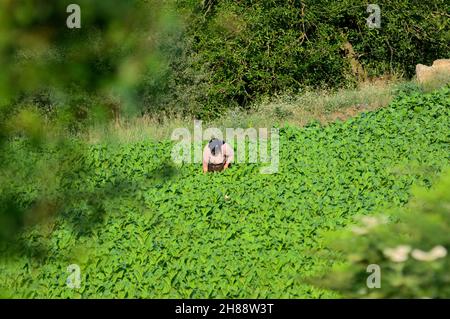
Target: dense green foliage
point(55, 80)
point(241, 50)
point(202, 58)
point(140, 227)
point(78, 73)
point(412, 251)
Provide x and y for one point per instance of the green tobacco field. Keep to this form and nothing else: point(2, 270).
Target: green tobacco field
point(142, 227)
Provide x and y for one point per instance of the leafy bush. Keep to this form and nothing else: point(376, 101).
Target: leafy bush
point(406, 88)
point(411, 250)
point(99, 66)
point(202, 58)
point(256, 48)
point(139, 227)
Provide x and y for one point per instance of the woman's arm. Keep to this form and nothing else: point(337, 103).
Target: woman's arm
point(228, 152)
point(206, 156)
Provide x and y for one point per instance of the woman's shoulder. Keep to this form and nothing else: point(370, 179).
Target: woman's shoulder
point(227, 147)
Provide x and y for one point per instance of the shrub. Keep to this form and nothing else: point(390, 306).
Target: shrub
point(257, 48)
point(411, 250)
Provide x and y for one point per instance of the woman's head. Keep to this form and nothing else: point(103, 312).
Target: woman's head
point(215, 145)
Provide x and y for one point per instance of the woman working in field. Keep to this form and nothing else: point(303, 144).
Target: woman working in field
point(217, 156)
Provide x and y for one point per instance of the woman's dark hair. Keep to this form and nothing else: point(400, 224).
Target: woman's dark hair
point(215, 145)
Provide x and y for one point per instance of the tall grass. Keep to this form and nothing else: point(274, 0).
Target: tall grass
point(321, 105)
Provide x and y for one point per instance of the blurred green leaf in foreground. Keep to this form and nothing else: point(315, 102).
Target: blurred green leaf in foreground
point(409, 244)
